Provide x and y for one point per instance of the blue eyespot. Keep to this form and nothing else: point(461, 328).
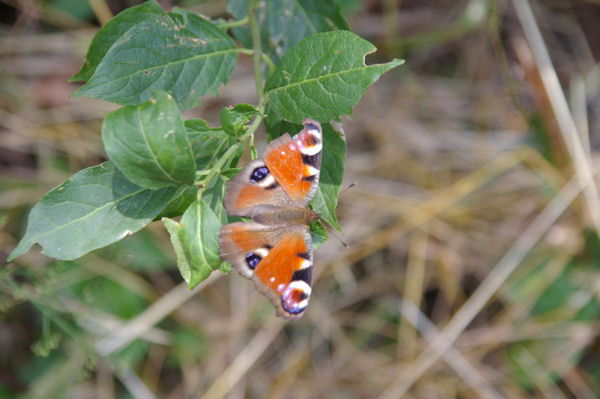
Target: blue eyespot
point(258, 174)
point(252, 260)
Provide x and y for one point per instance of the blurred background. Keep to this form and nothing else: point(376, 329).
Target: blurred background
point(474, 261)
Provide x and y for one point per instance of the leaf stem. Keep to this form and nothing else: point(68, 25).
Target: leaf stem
point(233, 149)
point(269, 62)
point(247, 51)
point(234, 24)
point(255, 123)
point(256, 46)
point(257, 53)
point(219, 165)
point(250, 133)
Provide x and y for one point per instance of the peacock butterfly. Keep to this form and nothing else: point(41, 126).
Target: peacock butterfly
point(275, 249)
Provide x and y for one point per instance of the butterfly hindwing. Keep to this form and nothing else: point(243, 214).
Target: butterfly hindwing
point(285, 274)
point(278, 259)
point(245, 244)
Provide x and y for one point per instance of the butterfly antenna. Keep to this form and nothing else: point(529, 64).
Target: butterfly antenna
point(338, 237)
point(335, 233)
point(349, 187)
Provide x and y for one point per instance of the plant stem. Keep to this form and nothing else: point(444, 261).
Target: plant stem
point(234, 24)
point(246, 51)
point(255, 123)
point(250, 133)
point(219, 165)
point(257, 55)
point(256, 46)
point(269, 62)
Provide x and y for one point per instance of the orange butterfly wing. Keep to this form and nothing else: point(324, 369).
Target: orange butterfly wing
point(278, 259)
point(295, 162)
point(285, 274)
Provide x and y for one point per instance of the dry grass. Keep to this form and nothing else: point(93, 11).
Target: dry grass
point(473, 262)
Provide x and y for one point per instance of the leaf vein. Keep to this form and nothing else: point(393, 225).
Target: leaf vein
point(163, 66)
point(98, 209)
point(322, 77)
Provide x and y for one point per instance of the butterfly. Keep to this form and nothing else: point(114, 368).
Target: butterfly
point(275, 249)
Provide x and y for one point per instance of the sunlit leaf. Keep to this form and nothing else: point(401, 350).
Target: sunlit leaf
point(195, 240)
point(179, 52)
point(95, 207)
point(234, 119)
point(209, 143)
point(323, 77)
point(149, 143)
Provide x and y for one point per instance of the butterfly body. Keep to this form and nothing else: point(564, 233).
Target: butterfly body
point(285, 216)
point(275, 249)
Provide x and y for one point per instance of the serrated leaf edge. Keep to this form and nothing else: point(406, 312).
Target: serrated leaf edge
point(395, 62)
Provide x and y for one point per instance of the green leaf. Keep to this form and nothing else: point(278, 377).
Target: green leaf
point(149, 143)
point(179, 203)
point(283, 23)
point(323, 77)
point(109, 34)
point(178, 52)
point(234, 119)
point(230, 173)
point(318, 233)
point(93, 208)
point(332, 165)
point(195, 240)
point(332, 172)
point(213, 196)
point(209, 143)
point(225, 267)
point(173, 228)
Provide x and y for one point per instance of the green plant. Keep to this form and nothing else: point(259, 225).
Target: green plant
point(156, 63)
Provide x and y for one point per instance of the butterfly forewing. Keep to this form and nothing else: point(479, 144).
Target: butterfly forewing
point(295, 162)
point(252, 189)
